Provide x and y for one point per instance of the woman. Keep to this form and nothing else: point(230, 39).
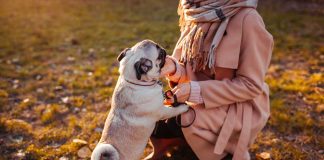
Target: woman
point(218, 67)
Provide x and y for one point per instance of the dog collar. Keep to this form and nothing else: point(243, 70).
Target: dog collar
point(142, 84)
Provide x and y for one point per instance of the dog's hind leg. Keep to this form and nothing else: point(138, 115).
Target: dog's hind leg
point(168, 112)
point(105, 151)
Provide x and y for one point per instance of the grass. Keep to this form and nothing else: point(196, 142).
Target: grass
point(58, 71)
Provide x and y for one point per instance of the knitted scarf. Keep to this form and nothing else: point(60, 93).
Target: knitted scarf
point(203, 24)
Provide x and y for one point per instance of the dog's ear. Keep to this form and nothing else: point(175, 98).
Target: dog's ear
point(122, 54)
point(162, 56)
point(142, 67)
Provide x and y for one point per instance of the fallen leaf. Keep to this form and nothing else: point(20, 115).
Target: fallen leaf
point(15, 86)
point(108, 83)
point(84, 152)
point(75, 110)
point(263, 155)
point(275, 140)
point(289, 138)
point(39, 77)
point(20, 154)
point(320, 108)
point(91, 51)
point(98, 130)
point(65, 100)
point(70, 59)
point(16, 81)
point(80, 141)
point(40, 90)
point(64, 158)
point(16, 139)
point(58, 88)
point(55, 145)
point(303, 139)
point(26, 100)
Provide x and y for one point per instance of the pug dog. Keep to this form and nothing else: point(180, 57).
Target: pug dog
point(137, 104)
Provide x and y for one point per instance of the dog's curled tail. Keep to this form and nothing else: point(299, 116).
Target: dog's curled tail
point(105, 151)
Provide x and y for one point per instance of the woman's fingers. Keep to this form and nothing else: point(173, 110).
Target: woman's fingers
point(168, 68)
point(164, 71)
point(169, 100)
point(173, 90)
point(181, 97)
point(182, 91)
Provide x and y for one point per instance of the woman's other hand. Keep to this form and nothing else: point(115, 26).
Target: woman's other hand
point(182, 91)
point(169, 67)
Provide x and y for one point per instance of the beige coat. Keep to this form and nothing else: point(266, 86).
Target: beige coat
point(236, 99)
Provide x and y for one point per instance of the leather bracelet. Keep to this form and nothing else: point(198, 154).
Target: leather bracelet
point(168, 95)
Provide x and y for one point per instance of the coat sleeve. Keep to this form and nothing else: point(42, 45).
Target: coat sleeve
point(180, 74)
point(255, 55)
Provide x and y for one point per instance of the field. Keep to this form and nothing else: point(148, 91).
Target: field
point(58, 69)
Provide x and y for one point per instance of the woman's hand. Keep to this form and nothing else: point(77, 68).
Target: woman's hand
point(169, 67)
point(182, 91)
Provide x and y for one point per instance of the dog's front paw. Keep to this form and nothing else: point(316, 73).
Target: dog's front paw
point(183, 108)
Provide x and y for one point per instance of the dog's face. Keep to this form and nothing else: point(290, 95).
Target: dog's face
point(142, 62)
